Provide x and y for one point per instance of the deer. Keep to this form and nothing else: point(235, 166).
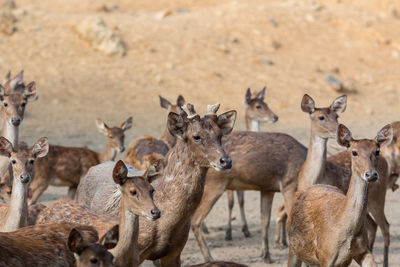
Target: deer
point(256, 111)
point(54, 245)
point(391, 153)
point(14, 215)
point(65, 166)
point(179, 190)
point(219, 264)
point(147, 150)
point(136, 199)
point(327, 227)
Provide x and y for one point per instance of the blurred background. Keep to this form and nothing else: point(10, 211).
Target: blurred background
point(111, 59)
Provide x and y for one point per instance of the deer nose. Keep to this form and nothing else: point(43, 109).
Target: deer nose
point(226, 163)
point(25, 178)
point(276, 118)
point(155, 214)
point(121, 149)
point(16, 121)
point(371, 176)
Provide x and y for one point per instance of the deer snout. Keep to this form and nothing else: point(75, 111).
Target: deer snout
point(15, 121)
point(155, 214)
point(225, 163)
point(25, 178)
point(371, 176)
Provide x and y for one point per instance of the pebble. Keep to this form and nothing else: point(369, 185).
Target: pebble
point(334, 83)
point(273, 23)
point(267, 62)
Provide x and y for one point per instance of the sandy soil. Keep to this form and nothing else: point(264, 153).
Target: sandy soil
point(209, 51)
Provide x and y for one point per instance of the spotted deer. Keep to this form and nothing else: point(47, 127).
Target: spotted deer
point(391, 153)
point(327, 227)
point(147, 150)
point(256, 111)
point(49, 245)
point(14, 215)
point(136, 199)
point(65, 166)
point(178, 191)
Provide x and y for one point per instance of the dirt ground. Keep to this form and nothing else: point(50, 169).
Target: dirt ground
point(210, 51)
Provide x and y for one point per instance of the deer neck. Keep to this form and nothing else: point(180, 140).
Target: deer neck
point(355, 205)
point(168, 138)
point(126, 252)
point(18, 208)
point(314, 166)
point(252, 125)
point(108, 154)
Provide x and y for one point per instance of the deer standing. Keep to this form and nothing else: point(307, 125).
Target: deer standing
point(14, 215)
point(256, 111)
point(65, 166)
point(147, 150)
point(328, 228)
point(391, 153)
point(136, 199)
point(179, 190)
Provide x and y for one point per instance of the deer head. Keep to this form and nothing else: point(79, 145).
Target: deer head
point(180, 101)
point(257, 109)
point(115, 135)
point(365, 152)
point(136, 192)
point(5, 193)
point(324, 120)
point(203, 135)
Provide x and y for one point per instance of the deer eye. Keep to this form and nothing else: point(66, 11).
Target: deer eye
point(13, 161)
point(133, 192)
point(196, 138)
point(321, 118)
point(9, 193)
point(258, 107)
point(5, 104)
point(23, 104)
point(354, 153)
point(93, 260)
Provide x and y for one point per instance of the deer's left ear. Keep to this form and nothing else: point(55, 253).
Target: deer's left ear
point(75, 241)
point(40, 148)
point(339, 104)
point(31, 92)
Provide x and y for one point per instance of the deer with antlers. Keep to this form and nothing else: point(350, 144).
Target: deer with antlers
point(328, 228)
point(178, 191)
point(65, 166)
point(136, 199)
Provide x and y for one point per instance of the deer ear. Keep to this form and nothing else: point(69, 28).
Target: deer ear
point(8, 77)
point(6, 147)
point(40, 148)
point(31, 92)
point(384, 136)
point(102, 127)
point(180, 101)
point(120, 172)
point(110, 239)
point(2, 92)
point(176, 125)
point(261, 94)
point(344, 137)
point(164, 103)
point(307, 104)
point(226, 121)
point(127, 124)
point(247, 97)
point(75, 241)
point(339, 104)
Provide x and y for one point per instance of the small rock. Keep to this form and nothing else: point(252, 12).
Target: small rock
point(38, 28)
point(7, 21)
point(395, 54)
point(223, 48)
point(276, 45)
point(335, 70)
point(235, 40)
point(182, 10)
point(395, 13)
point(102, 38)
point(267, 62)
point(334, 83)
point(273, 23)
point(163, 14)
point(7, 4)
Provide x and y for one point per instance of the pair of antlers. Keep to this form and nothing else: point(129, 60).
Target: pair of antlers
point(191, 112)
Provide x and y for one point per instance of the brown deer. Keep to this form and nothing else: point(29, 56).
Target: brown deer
point(326, 227)
point(178, 191)
point(49, 245)
point(391, 153)
point(219, 264)
point(136, 199)
point(147, 150)
point(65, 166)
point(14, 215)
point(256, 111)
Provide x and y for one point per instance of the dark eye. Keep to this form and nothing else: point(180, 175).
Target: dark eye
point(23, 104)
point(354, 153)
point(133, 192)
point(93, 260)
point(196, 138)
point(321, 118)
point(13, 161)
point(31, 161)
point(9, 193)
point(6, 104)
point(377, 153)
point(258, 107)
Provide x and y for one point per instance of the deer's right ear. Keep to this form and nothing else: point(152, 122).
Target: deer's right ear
point(6, 147)
point(176, 125)
point(110, 239)
point(40, 148)
point(344, 137)
point(385, 136)
point(226, 121)
point(307, 104)
point(247, 97)
point(120, 172)
point(102, 127)
point(127, 124)
point(164, 103)
point(75, 241)
point(339, 104)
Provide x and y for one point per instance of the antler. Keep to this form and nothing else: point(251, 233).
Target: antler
point(189, 110)
point(212, 109)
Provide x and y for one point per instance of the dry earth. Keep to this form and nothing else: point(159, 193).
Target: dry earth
point(209, 51)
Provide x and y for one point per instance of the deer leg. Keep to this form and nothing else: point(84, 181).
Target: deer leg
point(280, 231)
point(266, 206)
point(383, 224)
point(371, 227)
point(366, 260)
point(171, 261)
point(228, 234)
point(204, 228)
point(71, 192)
point(212, 192)
point(245, 227)
point(38, 186)
point(293, 261)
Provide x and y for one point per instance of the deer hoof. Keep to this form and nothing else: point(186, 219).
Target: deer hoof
point(267, 258)
point(246, 231)
point(228, 235)
point(204, 228)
